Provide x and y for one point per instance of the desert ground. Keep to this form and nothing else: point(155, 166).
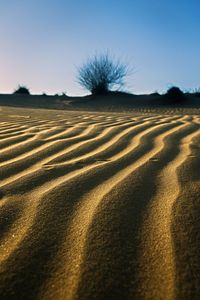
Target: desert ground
point(97, 205)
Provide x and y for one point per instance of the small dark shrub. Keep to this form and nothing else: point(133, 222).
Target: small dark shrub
point(101, 73)
point(22, 90)
point(175, 95)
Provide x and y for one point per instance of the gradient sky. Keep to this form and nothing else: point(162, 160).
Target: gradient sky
point(42, 42)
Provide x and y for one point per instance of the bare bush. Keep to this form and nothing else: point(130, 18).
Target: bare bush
point(102, 73)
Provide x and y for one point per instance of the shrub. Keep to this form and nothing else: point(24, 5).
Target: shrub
point(174, 95)
point(102, 73)
point(22, 90)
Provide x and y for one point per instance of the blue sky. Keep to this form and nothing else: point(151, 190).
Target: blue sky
point(42, 42)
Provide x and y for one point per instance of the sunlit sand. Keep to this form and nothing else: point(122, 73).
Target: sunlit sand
point(99, 205)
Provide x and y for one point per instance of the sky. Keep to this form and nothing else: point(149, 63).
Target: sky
point(44, 42)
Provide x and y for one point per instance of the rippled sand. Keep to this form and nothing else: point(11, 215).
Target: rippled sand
point(99, 205)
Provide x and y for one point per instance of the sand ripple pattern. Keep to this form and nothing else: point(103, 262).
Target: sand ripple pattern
point(99, 205)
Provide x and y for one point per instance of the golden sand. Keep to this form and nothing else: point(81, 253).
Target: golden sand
point(99, 205)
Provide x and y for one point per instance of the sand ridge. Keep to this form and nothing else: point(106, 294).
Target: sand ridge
point(89, 203)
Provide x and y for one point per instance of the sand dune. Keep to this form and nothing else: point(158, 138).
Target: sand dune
point(99, 205)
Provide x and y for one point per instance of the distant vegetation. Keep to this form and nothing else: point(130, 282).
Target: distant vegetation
point(102, 73)
point(105, 76)
point(174, 95)
point(22, 89)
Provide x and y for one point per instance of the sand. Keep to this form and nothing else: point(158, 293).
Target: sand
point(98, 205)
